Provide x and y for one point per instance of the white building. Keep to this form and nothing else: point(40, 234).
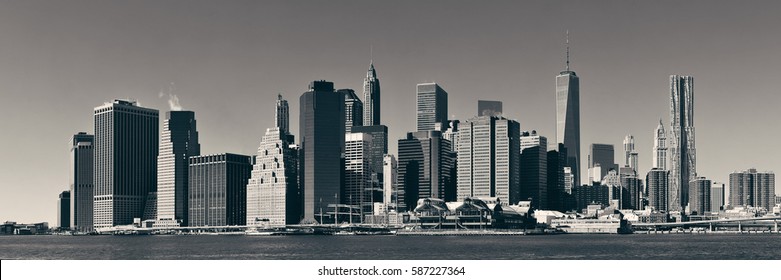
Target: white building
point(272, 196)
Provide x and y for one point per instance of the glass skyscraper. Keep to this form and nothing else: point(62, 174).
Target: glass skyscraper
point(218, 189)
point(568, 117)
point(431, 107)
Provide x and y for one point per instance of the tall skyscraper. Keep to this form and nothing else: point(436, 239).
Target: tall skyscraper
point(489, 108)
point(425, 163)
point(660, 147)
point(378, 146)
point(716, 197)
point(63, 210)
point(657, 181)
point(322, 145)
point(431, 107)
point(371, 97)
point(602, 155)
point(218, 189)
point(125, 162)
point(683, 160)
point(568, 116)
point(534, 170)
point(390, 173)
point(489, 159)
point(358, 189)
point(559, 180)
point(81, 187)
point(699, 189)
point(630, 154)
point(178, 142)
point(273, 194)
point(752, 188)
point(282, 115)
point(353, 109)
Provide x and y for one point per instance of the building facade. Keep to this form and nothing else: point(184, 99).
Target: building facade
point(700, 196)
point(660, 147)
point(683, 159)
point(534, 170)
point(752, 188)
point(657, 181)
point(81, 186)
point(630, 154)
point(425, 168)
point(178, 142)
point(390, 174)
point(218, 189)
point(358, 190)
point(602, 155)
point(568, 117)
point(125, 161)
point(717, 197)
point(322, 144)
point(273, 194)
point(64, 210)
point(353, 109)
point(431, 107)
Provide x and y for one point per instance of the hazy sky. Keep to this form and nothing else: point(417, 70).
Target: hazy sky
point(229, 59)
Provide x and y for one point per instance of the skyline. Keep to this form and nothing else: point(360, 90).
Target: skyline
point(69, 63)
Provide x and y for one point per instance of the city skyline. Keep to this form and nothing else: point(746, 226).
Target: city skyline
point(38, 78)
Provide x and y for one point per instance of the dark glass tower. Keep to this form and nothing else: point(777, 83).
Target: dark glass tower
point(179, 141)
point(218, 189)
point(426, 163)
point(126, 147)
point(81, 187)
point(322, 145)
point(63, 210)
point(568, 116)
point(431, 107)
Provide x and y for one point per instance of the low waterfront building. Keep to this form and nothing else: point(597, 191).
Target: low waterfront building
point(607, 223)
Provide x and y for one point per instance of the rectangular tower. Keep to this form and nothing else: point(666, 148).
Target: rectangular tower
point(752, 188)
point(218, 189)
point(657, 181)
point(178, 142)
point(534, 170)
point(426, 163)
point(81, 187)
point(125, 162)
point(431, 106)
point(63, 210)
point(683, 158)
point(602, 155)
point(699, 190)
point(353, 109)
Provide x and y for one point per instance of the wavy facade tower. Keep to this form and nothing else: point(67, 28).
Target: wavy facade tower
point(683, 157)
point(568, 116)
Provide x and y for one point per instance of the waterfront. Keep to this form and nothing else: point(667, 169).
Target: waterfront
point(562, 247)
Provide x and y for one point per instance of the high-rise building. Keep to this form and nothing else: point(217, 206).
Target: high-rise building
point(568, 116)
point(425, 168)
point(489, 159)
point(717, 197)
point(451, 133)
point(358, 191)
point(559, 179)
point(534, 170)
point(431, 106)
point(322, 145)
point(586, 195)
point(700, 197)
point(378, 146)
point(218, 189)
point(81, 187)
point(63, 210)
point(125, 161)
point(660, 147)
point(683, 158)
point(602, 155)
point(390, 174)
point(630, 154)
point(353, 109)
point(632, 189)
point(178, 142)
point(282, 115)
point(752, 188)
point(273, 194)
point(657, 181)
point(371, 97)
point(489, 108)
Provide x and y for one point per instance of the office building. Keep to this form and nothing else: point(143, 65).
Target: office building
point(559, 180)
point(390, 174)
point(683, 160)
point(125, 161)
point(353, 109)
point(632, 189)
point(273, 193)
point(534, 170)
point(602, 155)
point(178, 142)
point(700, 197)
point(717, 197)
point(63, 210)
point(218, 189)
point(489, 108)
point(425, 168)
point(322, 144)
point(594, 194)
point(660, 147)
point(752, 188)
point(377, 149)
point(568, 116)
point(81, 187)
point(657, 181)
point(282, 115)
point(358, 190)
point(451, 133)
point(431, 107)
point(630, 154)
point(371, 97)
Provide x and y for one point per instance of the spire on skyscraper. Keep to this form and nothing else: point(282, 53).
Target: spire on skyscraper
point(567, 49)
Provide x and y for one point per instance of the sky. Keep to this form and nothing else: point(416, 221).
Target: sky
point(227, 61)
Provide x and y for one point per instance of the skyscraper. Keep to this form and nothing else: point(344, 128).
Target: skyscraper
point(602, 155)
point(489, 108)
point(358, 189)
point(559, 180)
point(63, 210)
point(431, 106)
point(717, 197)
point(322, 145)
point(390, 173)
point(125, 162)
point(630, 154)
point(660, 147)
point(752, 188)
point(657, 181)
point(282, 116)
point(353, 109)
point(488, 152)
point(534, 170)
point(425, 166)
point(568, 116)
point(699, 189)
point(81, 187)
point(178, 142)
point(683, 158)
point(371, 97)
point(273, 194)
point(218, 189)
